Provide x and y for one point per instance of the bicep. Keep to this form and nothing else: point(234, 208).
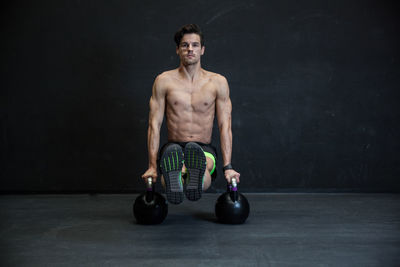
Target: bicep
point(157, 103)
point(223, 102)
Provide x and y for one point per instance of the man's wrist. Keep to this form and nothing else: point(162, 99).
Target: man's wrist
point(152, 166)
point(227, 167)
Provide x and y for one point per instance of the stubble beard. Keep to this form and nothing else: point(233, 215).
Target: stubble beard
point(188, 62)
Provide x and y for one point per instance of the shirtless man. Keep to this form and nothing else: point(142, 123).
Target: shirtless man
point(189, 96)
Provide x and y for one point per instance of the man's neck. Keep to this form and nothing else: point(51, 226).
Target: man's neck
point(190, 72)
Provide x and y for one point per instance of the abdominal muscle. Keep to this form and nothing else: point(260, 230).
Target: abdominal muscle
point(190, 125)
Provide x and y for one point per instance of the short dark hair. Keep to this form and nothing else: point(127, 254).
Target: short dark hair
point(188, 28)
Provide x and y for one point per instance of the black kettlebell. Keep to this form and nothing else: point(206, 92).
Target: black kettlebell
point(232, 207)
point(150, 207)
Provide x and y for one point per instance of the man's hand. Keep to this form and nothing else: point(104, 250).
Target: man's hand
point(229, 174)
point(151, 172)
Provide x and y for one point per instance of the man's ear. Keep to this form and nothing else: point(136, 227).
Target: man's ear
point(202, 49)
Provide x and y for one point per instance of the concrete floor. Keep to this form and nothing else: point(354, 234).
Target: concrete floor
point(282, 230)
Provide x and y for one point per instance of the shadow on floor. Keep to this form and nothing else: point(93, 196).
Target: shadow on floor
point(205, 216)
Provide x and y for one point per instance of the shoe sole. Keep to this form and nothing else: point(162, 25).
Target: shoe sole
point(171, 168)
point(195, 162)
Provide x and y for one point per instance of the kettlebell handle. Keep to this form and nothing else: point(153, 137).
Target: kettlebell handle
point(149, 189)
point(234, 184)
point(232, 189)
point(149, 184)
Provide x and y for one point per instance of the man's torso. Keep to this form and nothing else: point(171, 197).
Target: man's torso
point(190, 106)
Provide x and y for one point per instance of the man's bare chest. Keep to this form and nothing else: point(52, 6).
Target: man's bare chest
point(198, 97)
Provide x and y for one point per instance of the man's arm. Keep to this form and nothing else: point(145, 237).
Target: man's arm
point(156, 115)
point(224, 117)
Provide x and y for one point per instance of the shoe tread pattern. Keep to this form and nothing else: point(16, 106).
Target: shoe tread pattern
point(171, 166)
point(195, 162)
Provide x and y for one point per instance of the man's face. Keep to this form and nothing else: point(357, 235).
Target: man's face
point(190, 49)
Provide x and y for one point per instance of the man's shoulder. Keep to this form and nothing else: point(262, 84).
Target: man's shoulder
point(166, 75)
point(214, 75)
point(219, 81)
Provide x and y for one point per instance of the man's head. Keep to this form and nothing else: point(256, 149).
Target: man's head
point(189, 44)
point(189, 28)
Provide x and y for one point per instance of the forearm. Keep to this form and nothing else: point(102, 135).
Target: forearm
point(153, 143)
point(226, 143)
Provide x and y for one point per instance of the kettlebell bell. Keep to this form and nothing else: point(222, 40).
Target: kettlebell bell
point(232, 207)
point(150, 207)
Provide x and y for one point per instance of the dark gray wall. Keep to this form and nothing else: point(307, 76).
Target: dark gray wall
point(314, 86)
